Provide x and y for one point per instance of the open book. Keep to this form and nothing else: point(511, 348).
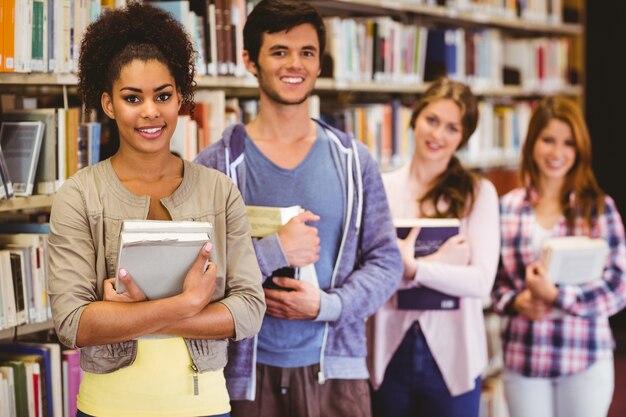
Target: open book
point(158, 253)
point(266, 220)
point(574, 259)
point(432, 233)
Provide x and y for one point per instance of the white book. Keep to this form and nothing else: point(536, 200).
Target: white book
point(23, 35)
point(8, 375)
point(574, 260)
point(32, 368)
point(35, 247)
point(178, 141)
point(158, 254)
point(4, 397)
point(3, 321)
point(66, 392)
point(212, 36)
point(8, 293)
point(61, 26)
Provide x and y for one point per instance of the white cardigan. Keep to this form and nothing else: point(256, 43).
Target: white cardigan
point(456, 338)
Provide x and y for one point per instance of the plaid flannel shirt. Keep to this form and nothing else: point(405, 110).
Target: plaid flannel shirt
point(555, 347)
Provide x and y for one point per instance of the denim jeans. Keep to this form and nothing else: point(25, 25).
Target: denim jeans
point(81, 414)
point(414, 387)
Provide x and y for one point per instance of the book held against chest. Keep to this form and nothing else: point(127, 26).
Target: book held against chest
point(158, 254)
point(265, 220)
point(574, 260)
point(432, 233)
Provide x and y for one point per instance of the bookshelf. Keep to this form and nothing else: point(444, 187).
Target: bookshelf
point(25, 329)
point(543, 30)
point(35, 202)
point(323, 84)
point(341, 92)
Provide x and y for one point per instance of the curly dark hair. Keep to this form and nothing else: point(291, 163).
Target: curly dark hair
point(138, 31)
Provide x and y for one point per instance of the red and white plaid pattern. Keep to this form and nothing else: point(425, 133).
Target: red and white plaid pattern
point(569, 344)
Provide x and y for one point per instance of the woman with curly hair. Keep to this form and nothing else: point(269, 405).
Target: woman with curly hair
point(558, 345)
point(145, 357)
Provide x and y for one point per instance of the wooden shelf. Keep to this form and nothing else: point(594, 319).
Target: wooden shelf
point(26, 329)
point(323, 84)
point(25, 203)
point(488, 163)
point(451, 15)
point(38, 78)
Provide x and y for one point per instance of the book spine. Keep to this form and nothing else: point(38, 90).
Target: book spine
point(8, 36)
point(1, 36)
point(37, 44)
point(50, 36)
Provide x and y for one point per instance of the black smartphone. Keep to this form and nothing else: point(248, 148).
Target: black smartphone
point(286, 272)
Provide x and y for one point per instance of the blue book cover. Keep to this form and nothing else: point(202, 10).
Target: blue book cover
point(450, 51)
point(8, 227)
point(432, 233)
point(435, 65)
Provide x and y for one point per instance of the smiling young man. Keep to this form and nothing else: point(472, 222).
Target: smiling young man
point(309, 357)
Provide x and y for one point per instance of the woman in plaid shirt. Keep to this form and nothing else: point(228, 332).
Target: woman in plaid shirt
point(558, 346)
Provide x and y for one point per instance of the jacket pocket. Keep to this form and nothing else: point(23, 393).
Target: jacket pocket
point(103, 359)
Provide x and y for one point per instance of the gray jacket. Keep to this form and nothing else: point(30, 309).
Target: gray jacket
point(85, 222)
point(367, 271)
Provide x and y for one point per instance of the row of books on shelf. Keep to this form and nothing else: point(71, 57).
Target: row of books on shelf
point(384, 128)
point(38, 379)
point(214, 112)
point(24, 276)
point(500, 134)
point(41, 147)
point(388, 50)
point(216, 29)
point(45, 35)
point(66, 144)
point(547, 11)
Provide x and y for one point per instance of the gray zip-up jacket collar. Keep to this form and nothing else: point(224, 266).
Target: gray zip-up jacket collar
point(367, 271)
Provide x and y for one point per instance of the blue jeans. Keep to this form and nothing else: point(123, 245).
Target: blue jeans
point(81, 414)
point(414, 387)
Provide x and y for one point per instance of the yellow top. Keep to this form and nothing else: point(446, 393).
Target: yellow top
point(160, 382)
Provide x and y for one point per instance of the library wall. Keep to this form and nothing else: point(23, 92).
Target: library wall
point(605, 94)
